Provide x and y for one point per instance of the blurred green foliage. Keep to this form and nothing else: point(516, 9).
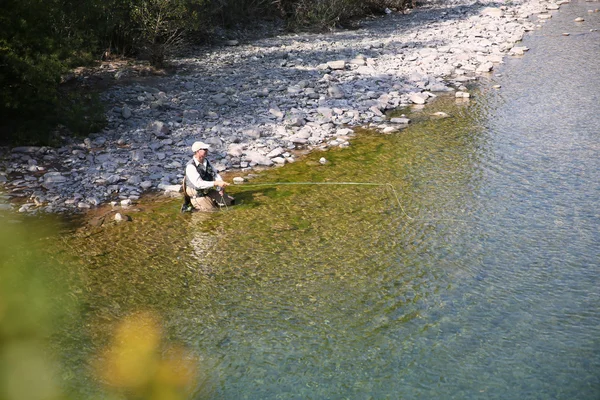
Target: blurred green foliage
point(31, 306)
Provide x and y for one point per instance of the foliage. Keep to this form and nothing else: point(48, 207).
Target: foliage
point(161, 25)
point(392, 4)
point(29, 64)
point(39, 41)
point(229, 13)
point(327, 14)
point(31, 305)
point(323, 14)
point(82, 113)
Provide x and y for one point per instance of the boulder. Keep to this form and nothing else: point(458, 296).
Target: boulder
point(158, 128)
point(400, 120)
point(417, 98)
point(256, 158)
point(492, 12)
point(337, 65)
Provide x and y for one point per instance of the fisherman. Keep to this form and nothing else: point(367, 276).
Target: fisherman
point(203, 187)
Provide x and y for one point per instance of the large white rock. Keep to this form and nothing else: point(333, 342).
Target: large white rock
point(235, 150)
point(390, 129)
point(158, 128)
point(418, 98)
point(254, 157)
point(169, 188)
point(337, 65)
point(518, 50)
point(485, 67)
point(400, 120)
point(358, 61)
point(121, 217)
point(276, 152)
point(145, 185)
point(344, 132)
point(492, 12)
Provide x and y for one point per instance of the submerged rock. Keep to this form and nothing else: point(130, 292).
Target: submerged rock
point(122, 218)
point(440, 114)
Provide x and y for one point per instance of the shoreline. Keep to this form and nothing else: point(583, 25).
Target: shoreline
point(256, 103)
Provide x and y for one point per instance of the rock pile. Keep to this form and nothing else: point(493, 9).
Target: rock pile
point(256, 102)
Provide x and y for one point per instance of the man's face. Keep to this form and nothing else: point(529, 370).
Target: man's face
point(200, 154)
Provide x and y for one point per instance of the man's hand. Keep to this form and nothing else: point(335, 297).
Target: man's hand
point(221, 183)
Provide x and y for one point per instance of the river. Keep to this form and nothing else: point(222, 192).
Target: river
point(480, 280)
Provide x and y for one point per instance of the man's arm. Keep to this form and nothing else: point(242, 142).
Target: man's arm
point(218, 180)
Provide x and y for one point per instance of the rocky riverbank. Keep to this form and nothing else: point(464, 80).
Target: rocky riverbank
point(256, 102)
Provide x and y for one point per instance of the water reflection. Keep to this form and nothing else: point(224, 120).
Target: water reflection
point(204, 243)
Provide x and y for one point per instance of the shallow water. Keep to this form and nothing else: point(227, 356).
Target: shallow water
point(480, 280)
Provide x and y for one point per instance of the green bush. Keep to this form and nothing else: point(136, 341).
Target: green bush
point(322, 14)
point(161, 26)
point(231, 13)
point(30, 67)
point(327, 14)
point(82, 113)
point(392, 4)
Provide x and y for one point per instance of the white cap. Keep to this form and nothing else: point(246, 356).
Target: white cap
point(198, 146)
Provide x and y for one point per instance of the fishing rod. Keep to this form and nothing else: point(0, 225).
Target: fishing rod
point(388, 185)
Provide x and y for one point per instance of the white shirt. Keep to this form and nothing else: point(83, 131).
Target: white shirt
point(192, 173)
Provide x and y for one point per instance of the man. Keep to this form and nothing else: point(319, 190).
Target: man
point(203, 187)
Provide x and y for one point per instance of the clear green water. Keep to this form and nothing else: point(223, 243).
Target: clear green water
point(491, 289)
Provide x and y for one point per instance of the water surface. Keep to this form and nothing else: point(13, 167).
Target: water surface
point(480, 280)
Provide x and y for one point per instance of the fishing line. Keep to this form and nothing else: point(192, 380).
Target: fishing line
point(388, 185)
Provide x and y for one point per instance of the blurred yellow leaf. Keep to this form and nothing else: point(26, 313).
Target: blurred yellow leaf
point(134, 361)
